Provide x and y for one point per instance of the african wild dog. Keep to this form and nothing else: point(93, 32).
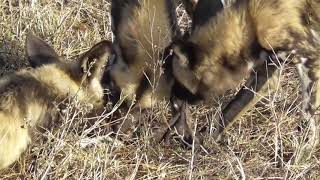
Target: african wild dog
point(143, 29)
point(229, 45)
point(142, 68)
point(203, 10)
point(27, 97)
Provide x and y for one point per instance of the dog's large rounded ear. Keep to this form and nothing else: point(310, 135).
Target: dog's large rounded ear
point(92, 62)
point(120, 12)
point(39, 52)
point(205, 10)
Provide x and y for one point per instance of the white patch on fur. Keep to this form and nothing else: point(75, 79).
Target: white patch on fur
point(305, 79)
point(303, 60)
point(282, 55)
point(316, 36)
point(175, 105)
point(96, 86)
point(250, 65)
point(224, 3)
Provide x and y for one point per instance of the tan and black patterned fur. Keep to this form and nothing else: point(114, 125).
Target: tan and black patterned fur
point(143, 29)
point(190, 6)
point(227, 47)
point(142, 68)
point(28, 97)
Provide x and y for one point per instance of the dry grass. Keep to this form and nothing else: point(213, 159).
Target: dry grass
point(259, 145)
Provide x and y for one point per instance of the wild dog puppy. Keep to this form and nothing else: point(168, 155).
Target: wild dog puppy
point(203, 11)
point(141, 70)
point(143, 29)
point(227, 47)
point(27, 97)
